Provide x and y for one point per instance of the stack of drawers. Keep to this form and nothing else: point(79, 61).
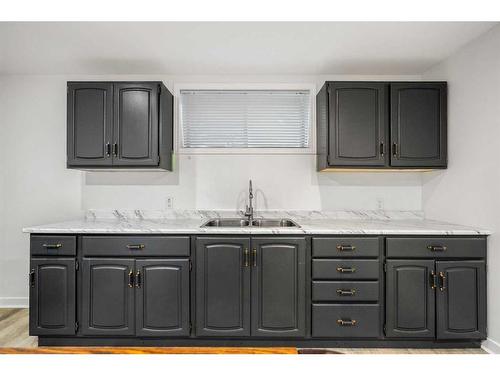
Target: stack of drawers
point(346, 275)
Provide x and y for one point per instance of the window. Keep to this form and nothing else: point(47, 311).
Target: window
point(245, 119)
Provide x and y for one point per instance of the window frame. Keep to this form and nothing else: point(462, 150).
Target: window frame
point(179, 149)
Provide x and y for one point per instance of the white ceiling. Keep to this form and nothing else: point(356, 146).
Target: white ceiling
point(230, 48)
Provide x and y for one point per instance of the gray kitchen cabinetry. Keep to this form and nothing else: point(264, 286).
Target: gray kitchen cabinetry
point(433, 298)
point(382, 125)
point(119, 125)
point(250, 286)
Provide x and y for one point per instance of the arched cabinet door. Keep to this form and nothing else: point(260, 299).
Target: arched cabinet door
point(278, 287)
point(410, 307)
point(461, 299)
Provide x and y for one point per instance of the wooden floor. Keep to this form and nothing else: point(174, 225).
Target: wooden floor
point(14, 339)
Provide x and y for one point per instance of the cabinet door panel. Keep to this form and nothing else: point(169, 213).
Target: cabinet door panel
point(418, 124)
point(162, 298)
point(52, 297)
point(278, 287)
point(90, 116)
point(107, 297)
point(461, 300)
point(358, 124)
point(410, 305)
point(222, 287)
point(136, 124)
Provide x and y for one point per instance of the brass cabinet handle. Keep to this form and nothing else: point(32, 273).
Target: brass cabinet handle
point(136, 247)
point(32, 278)
point(395, 149)
point(346, 292)
point(442, 276)
point(433, 279)
point(138, 279)
point(115, 149)
point(350, 322)
point(346, 269)
point(382, 149)
point(245, 255)
point(254, 253)
point(52, 245)
point(108, 150)
point(346, 248)
point(436, 248)
point(131, 279)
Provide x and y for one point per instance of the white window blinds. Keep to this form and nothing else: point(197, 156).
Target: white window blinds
point(245, 118)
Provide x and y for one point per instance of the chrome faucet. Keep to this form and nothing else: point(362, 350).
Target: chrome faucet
point(249, 207)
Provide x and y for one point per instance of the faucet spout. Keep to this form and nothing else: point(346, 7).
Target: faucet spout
point(249, 212)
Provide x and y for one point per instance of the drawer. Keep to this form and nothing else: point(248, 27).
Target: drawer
point(345, 247)
point(345, 291)
point(345, 320)
point(135, 246)
point(436, 247)
point(53, 245)
point(345, 269)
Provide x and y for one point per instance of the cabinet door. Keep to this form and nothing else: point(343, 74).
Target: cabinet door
point(410, 307)
point(162, 297)
point(89, 124)
point(108, 297)
point(358, 124)
point(222, 287)
point(418, 125)
point(278, 286)
point(135, 129)
point(461, 299)
point(52, 296)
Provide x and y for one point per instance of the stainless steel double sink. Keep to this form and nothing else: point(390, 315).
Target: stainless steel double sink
point(242, 223)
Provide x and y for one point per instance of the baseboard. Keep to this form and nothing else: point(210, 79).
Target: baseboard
point(14, 302)
point(491, 346)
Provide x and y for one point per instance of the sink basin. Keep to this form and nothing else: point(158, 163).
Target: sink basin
point(242, 223)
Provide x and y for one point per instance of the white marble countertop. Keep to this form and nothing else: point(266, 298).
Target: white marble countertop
point(311, 222)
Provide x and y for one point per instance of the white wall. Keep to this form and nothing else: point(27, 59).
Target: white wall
point(468, 191)
point(36, 187)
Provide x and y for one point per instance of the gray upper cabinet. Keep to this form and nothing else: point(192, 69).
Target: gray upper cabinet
point(410, 305)
point(461, 299)
point(278, 287)
point(418, 124)
point(358, 116)
point(119, 125)
point(222, 286)
point(52, 296)
point(162, 297)
point(381, 125)
point(90, 116)
point(108, 297)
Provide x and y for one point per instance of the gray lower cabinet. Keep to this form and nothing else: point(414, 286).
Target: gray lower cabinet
point(52, 296)
point(461, 299)
point(143, 297)
point(108, 297)
point(222, 286)
point(278, 287)
point(410, 302)
point(436, 299)
point(250, 287)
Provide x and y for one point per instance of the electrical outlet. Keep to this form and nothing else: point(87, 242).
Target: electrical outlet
point(170, 202)
point(380, 204)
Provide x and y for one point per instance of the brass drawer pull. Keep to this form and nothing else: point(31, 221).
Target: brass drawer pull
point(32, 278)
point(442, 276)
point(346, 270)
point(342, 322)
point(346, 248)
point(436, 248)
point(346, 292)
point(136, 247)
point(52, 245)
